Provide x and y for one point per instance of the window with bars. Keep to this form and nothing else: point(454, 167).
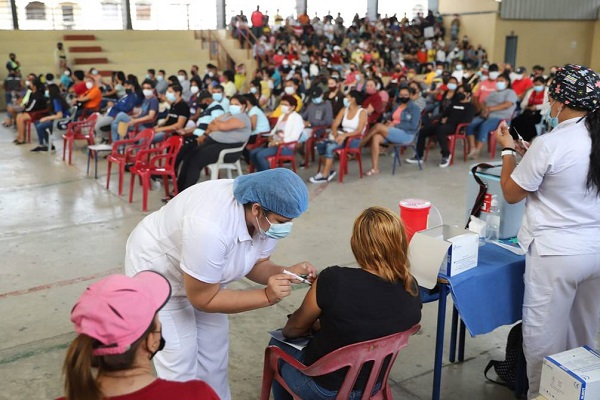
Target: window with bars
point(35, 10)
point(110, 11)
point(143, 11)
point(68, 13)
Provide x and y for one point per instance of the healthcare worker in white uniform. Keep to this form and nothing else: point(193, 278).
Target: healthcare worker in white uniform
point(559, 176)
point(211, 234)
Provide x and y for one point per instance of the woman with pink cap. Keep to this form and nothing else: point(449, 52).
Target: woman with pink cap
point(118, 334)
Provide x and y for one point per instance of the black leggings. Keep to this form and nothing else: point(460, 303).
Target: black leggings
point(441, 132)
point(196, 160)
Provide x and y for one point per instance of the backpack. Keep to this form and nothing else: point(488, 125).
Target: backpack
point(511, 370)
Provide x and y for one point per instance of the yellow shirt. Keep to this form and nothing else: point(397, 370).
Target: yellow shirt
point(277, 112)
point(429, 78)
point(239, 80)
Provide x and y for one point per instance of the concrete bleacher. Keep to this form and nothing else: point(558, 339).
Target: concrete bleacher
point(130, 51)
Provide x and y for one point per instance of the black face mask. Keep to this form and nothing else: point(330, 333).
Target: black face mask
point(403, 100)
point(161, 346)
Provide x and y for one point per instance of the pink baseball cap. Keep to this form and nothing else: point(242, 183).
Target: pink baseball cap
point(118, 309)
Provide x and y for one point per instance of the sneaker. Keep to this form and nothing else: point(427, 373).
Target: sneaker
point(445, 161)
point(318, 178)
point(332, 175)
point(413, 160)
point(40, 148)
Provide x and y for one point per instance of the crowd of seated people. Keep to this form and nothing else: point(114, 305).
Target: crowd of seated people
point(369, 79)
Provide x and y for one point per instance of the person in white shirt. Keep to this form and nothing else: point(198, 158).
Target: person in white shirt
point(559, 176)
point(288, 128)
point(211, 234)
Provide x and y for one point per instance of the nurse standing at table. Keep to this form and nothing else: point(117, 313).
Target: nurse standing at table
point(559, 177)
point(209, 235)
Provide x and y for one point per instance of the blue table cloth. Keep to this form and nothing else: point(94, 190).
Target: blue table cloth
point(491, 294)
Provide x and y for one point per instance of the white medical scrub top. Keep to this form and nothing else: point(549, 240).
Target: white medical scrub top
point(201, 232)
point(561, 214)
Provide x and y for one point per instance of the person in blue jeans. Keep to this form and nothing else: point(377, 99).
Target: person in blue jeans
point(336, 317)
point(402, 129)
point(288, 129)
point(146, 116)
point(58, 109)
point(350, 121)
point(498, 106)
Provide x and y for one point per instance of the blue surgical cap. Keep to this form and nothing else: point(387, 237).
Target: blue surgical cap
point(278, 190)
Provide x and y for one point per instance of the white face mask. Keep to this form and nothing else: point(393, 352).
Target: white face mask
point(180, 78)
point(67, 73)
point(494, 74)
point(289, 90)
point(89, 85)
point(148, 92)
point(285, 109)
point(253, 90)
point(194, 89)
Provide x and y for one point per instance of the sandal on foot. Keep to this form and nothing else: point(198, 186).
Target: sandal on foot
point(372, 172)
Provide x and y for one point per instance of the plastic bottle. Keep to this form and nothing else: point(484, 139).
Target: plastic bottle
point(492, 220)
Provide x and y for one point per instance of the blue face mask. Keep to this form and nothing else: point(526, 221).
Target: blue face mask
point(217, 96)
point(553, 121)
point(501, 85)
point(234, 109)
point(318, 100)
point(452, 86)
point(538, 88)
point(346, 102)
point(276, 231)
point(170, 97)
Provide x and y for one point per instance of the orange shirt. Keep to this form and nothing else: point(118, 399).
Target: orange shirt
point(95, 97)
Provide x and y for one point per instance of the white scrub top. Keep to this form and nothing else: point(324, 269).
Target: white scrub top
point(201, 232)
point(561, 214)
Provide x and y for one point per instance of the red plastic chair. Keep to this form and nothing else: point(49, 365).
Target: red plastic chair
point(34, 116)
point(353, 356)
point(156, 161)
point(346, 151)
point(459, 134)
point(79, 130)
point(125, 152)
point(309, 145)
point(279, 159)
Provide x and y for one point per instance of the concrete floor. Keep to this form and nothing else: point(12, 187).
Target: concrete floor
point(61, 230)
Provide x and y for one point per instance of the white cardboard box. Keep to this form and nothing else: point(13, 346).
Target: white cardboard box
point(445, 249)
point(571, 375)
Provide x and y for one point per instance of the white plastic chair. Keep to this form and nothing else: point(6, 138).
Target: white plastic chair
point(221, 164)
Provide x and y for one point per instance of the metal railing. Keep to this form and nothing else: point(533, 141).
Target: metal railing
point(218, 54)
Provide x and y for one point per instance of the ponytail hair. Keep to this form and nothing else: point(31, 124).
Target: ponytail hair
point(592, 123)
point(380, 246)
point(80, 382)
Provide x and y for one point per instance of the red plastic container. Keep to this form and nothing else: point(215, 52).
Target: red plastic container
point(414, 214)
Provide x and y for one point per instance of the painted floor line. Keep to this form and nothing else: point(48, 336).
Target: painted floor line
point(66, 282)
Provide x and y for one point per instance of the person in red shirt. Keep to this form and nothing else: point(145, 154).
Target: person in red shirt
point(422, 57)
point(257, 19)
point(373, 103)
point(521, 82)
point(118, 333)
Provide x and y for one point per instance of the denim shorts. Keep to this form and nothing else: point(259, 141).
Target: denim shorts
point(398, 136)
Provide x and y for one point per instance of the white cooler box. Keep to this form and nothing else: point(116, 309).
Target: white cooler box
point(511, 215)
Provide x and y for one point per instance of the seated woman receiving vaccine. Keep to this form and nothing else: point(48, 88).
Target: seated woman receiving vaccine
point(351, 305)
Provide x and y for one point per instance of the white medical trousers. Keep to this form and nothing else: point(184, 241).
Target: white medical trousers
point(197, 346)
point(561, 307)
